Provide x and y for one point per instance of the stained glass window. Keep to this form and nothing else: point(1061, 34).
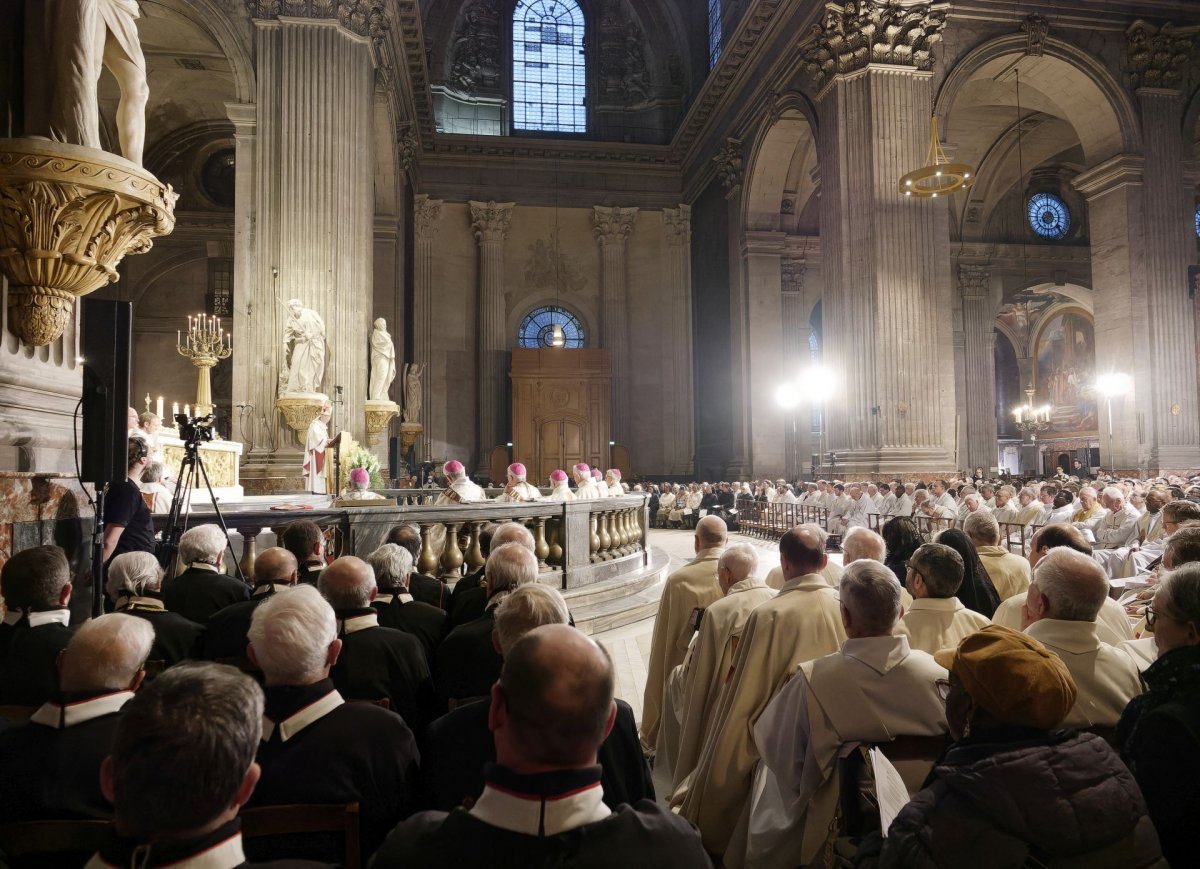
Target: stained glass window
point(1198, 221)
point(715, 34)
point(1049, 216)
point(549, 77)
point(537, 328)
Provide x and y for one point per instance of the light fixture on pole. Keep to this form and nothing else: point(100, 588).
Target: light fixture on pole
point(1031, 420)
point(818, 383)
point(938, 177)
point(1112, 385)
point(787, 396)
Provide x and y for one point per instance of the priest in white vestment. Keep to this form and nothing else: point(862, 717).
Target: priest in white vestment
point(872, 690)
point(904, 501)
point(585, 487)
point(937, 619)
point(799, 624)
point(612, 482)
point(861, 506)
point(1008, 571)
point(460, 489)
point(316, 440)
point(517, 490)
point(1118, 527)
point(887, 501)
point(560, 489)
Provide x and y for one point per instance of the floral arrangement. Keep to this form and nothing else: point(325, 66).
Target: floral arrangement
point(360, 458)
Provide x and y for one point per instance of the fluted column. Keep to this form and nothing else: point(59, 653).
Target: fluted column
point(426, 215)
point(490, 221)
point(612, 227)
point(979, 383)
point(795, 359)
point(761, 254)
point(251, 431)
point(677, 362)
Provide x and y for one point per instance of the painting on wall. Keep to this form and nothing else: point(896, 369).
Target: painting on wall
point(1066, 373)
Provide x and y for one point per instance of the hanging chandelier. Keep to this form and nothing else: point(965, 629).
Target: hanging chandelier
point(938, 177)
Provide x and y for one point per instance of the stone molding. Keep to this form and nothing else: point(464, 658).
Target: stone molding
point(729, 164)
point(612, 225)
point(1110, 175)
point(490, 220)
point(426, 215)
point(1158, 57)
point(678, 224)
point(872, 32)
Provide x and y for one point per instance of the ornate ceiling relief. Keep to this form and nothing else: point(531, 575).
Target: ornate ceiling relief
point(850, 37)
point(1158, 57)
point(729, 164)
point(624, 78)
point(475, 49)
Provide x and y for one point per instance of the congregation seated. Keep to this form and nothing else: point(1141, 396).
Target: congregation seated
point(52, 762)
point(135, 584)
point(937, 618)
point(1002, 794)
point(201, 588)
point(1064, 599)
point(458, 745)
point(1143, 558)
point(467, 664)
point(376, 663)
point(202, 722)
point(976, 592)
point(364, 754)
point(464, 605)
point(426, 589)
point(227, 631)
point(862, 544)
point(470, 601)
point(1008, 571)
point(306, 541)
point(902, 538)
point(543, 802)
point(36, 585)
point(397, 607)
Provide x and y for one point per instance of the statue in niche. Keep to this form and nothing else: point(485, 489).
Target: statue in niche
point(623, 75)
point(475, 55)
point(383, 362)
point(412, 392)
point(303, 349)
point(78, 39)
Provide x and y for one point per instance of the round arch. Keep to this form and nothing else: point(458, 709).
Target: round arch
point(522, 309)
point(771, 150)
point(213, 18)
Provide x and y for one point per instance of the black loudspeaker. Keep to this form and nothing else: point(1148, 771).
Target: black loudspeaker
point(393, 458)
point(105, 336)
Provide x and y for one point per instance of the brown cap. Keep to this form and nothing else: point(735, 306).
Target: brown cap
point(1012, 677)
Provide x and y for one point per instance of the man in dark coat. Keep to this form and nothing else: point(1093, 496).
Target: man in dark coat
point(226, 635)
point(202, 589)
point(305, 540)
point(135, 583)
point(426, 589)
point(468, 600)
point(36, 585)
point(396, 606)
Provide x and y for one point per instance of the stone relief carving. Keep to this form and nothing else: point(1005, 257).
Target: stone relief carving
point(490, 220)
point(973, 280)
point(612, 225)
point(475, 49)
point(1158, 57)
point(1035, 28)
point(624, 78)
point(791, 273)
point(548, 268)
point(408, 145)
point(678, 223)
point(729, 163)
point(872, 31)
point(426, 214)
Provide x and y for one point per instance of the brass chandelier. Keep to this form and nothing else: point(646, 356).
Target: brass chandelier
point(938, 177)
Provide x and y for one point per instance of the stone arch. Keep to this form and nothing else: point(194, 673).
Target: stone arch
point(212, 17)
point(773, 151)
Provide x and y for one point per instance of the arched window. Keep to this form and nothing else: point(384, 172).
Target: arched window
point(548, 69)
point(1049, 216)
point(1198, 221)
point(537, 328)
point(715, 35)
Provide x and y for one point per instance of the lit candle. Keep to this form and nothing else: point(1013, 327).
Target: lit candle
point(187, 410)
point(178, 338)
point(160, 407)
point(174, 409)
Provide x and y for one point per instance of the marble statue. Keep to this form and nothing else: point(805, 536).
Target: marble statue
point(412, 392)
point(81, 37)
point(383, 362)
point(303, 349)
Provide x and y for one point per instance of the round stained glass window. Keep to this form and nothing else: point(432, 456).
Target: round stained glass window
point(1049, 216)
point(1198, 221)
point(537, 329)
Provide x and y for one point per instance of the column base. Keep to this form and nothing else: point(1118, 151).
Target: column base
point(739, 469)
point(1183, 460)
point(890, 460)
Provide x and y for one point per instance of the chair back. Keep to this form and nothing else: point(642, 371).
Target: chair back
point(913, 757)
point(293, 820)
point(51, 843)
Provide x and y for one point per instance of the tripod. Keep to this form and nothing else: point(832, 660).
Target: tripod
point(190, 470)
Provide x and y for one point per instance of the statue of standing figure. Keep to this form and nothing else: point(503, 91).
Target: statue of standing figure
point(383, 362)
point(412, 392)
point(303, 350)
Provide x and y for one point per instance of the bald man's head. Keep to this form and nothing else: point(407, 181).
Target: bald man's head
point(711, 533)
point(348, 583)
point(553, 705)
point(802, 551)
point(275, 565)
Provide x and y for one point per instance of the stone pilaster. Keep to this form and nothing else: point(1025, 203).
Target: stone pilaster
point(426, 215)
point(764, 372)
point(490, 222)
point(252, 430)
point(677, 363)
point(612, 227)
point(796, 358)
point(979, 382)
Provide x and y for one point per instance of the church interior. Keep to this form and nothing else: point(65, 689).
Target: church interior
point(423, 254)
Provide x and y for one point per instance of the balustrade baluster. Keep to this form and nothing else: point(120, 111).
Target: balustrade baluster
point(249, 552)
point(428, 562)
point(593, 538)
point(540, 549)
point(475, 559)
point(605, 536)
point(452, 557)
point(554, 537)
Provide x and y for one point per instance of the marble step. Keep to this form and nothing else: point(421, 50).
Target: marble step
point(620, 602)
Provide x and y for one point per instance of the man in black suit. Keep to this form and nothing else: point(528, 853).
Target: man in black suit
point(36, 584)
point(467, 662)
point(135, 583)
point(461, 602)
point(225, 638)
point(52, 762)
point(316, 747)
point(542, 803)
point(376, 663)
point(202, 589)
point(305, 540)
point(396, 605)
point(470, 601)
point(427, 589)
point(458, 745)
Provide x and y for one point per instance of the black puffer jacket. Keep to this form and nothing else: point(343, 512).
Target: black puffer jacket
point(1025, 797)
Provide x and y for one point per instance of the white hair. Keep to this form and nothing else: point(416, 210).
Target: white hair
point(392, 564)
point(291, 632)
point(861, 543)
point(106, 652)
point(529, 607)
point(741, 560)
point(871, 594)
point(1091, 490)
point(509, 566)
point(1073, 584)
point(133, 573)
point(512, 532)
point(1113, 493)
point(202, 543)
point(982, 527)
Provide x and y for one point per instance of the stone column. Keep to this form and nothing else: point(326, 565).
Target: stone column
point(887, 265)
point(426, 214)
point(490, 221)
point(677, 362)
point(252, 431)
point(762, 252)
point(796, 358)
point(612, 227)
point(979, 383)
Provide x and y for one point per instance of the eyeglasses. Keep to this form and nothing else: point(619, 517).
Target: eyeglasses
point(942, 686)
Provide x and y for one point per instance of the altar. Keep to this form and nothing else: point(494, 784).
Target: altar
point(221, 460)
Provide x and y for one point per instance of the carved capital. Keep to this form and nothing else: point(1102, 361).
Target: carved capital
point(678, 222)
point(378, 415)
point(364, 17)
point(300, 410)
point(1158, 57)
point(859, 33)
point(490, 220)
point(408, 145)
point(68, 216)
point(729, 163)
point(426, 214)
point(973, 281)
point(612, 225)
point(1036, 29)
point(791, 273)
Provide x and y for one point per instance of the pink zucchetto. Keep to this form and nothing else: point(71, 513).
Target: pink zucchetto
point(453, 468)
point(596, 475)
point(558, 476)
point(615, 473)
point(517, 471)
point(359, 475)
point(583, 469)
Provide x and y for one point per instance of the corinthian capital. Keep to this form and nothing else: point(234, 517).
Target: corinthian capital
point(973, 280)
point(678, 222)
point(490, 220)
point(612, 225)
point(426, 214)
point(858, 33)
point(364, 17)
point(1157, 57)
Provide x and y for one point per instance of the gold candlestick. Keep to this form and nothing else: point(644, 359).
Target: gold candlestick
point(205, 343)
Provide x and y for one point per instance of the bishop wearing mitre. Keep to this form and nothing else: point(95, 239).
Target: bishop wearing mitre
point(315, 443)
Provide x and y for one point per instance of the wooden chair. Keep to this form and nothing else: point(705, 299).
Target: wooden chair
point(296, 819)
point(38, 843)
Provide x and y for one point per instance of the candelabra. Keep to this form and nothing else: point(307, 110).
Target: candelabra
point(206, 343)
point(1032, 420)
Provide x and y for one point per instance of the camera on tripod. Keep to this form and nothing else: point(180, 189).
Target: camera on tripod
point(194, 430)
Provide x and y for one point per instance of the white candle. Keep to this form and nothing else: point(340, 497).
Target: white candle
point(187, 410)
point(174, 410)
point(160, 407)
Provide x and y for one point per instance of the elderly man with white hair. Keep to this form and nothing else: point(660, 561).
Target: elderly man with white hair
point(1008, 571)
point(871, 690)
point(1119, 526)
point(317, 748)
point(393, 566)
point(1029, 509)
point(517, 489)
point(585, 487)
point(1089, 506)
point(201, 588)
point(695, 686)
point(972, 502)
point(937, 619)
point(135, 583)
point(1005, 509)
point(861, 506)
point(52, 762)
point(1060, 612)
point(460, 489)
